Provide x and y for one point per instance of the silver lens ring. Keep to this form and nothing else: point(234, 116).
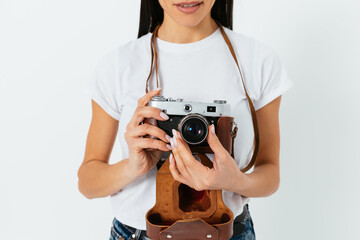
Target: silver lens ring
point(194, 116)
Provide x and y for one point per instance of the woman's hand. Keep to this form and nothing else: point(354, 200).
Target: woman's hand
point(186, 169)
point(141, 160)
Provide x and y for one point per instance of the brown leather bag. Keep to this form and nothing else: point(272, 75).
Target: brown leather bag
point(181, 212)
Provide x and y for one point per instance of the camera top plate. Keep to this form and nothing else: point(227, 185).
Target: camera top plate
point(172, 106)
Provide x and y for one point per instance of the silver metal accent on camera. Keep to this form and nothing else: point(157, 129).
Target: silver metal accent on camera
point(158, 98)
point(189, 108)
point(220, 101)
point(176, 107)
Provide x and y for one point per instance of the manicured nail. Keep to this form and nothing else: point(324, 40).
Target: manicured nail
point(157, 89)
point(168, 146)
point(164, 115)
point(174, 133)
point(167, 137)
point(171, 142)
point(171, 157)
point(213, 128)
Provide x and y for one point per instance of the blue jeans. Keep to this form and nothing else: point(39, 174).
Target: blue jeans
point(120, 231)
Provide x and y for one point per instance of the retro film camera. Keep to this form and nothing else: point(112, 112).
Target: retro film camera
point(191, 119)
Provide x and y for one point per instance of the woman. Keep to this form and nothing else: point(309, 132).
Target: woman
point(194, 64)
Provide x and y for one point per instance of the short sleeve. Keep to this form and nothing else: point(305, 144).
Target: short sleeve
point(272, 76)
point(103, 85)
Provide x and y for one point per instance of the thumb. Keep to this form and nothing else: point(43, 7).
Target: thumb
point(214, 141)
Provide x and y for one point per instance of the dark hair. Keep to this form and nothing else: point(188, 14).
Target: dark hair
point(151, 14)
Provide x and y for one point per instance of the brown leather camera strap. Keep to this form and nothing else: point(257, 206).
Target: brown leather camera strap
point(252, 109)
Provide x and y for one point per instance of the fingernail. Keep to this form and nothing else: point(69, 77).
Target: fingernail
point(171, 142)
point(171, 157)
point(164, 115)
point(213, 128)
point(168, 146)
point(157, 89)
point(174, 133)
point(167, 137)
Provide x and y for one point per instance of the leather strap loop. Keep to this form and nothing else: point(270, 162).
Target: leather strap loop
point(252, 109)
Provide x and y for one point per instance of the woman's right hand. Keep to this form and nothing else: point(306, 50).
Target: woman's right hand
point(140, 159)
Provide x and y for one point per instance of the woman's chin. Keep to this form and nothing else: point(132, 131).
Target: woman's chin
point(189, 21)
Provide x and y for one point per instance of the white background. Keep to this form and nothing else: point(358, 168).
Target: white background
point(48, 50)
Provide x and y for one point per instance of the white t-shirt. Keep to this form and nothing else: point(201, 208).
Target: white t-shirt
point(200, 71)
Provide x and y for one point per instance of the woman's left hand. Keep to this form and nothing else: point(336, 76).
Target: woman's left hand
point(186, 169)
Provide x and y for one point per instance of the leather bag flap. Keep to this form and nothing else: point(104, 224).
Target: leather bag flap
point(190, 229)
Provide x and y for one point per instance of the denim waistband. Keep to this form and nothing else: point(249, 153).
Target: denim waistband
point(127, 231)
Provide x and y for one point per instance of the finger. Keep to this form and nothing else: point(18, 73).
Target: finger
point(214, 142)
point(143, 143)
point(152, 130)
point(143, 112)
point(176, 173)
point(144, 100)
point(179, 160)
point(177, 134)
point(194, 167)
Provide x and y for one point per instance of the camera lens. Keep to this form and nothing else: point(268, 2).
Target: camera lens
point(194, 128)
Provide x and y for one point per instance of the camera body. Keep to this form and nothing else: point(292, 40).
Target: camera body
point(191, 119)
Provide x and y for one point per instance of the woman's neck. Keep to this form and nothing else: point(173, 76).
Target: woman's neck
point(171, 31)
